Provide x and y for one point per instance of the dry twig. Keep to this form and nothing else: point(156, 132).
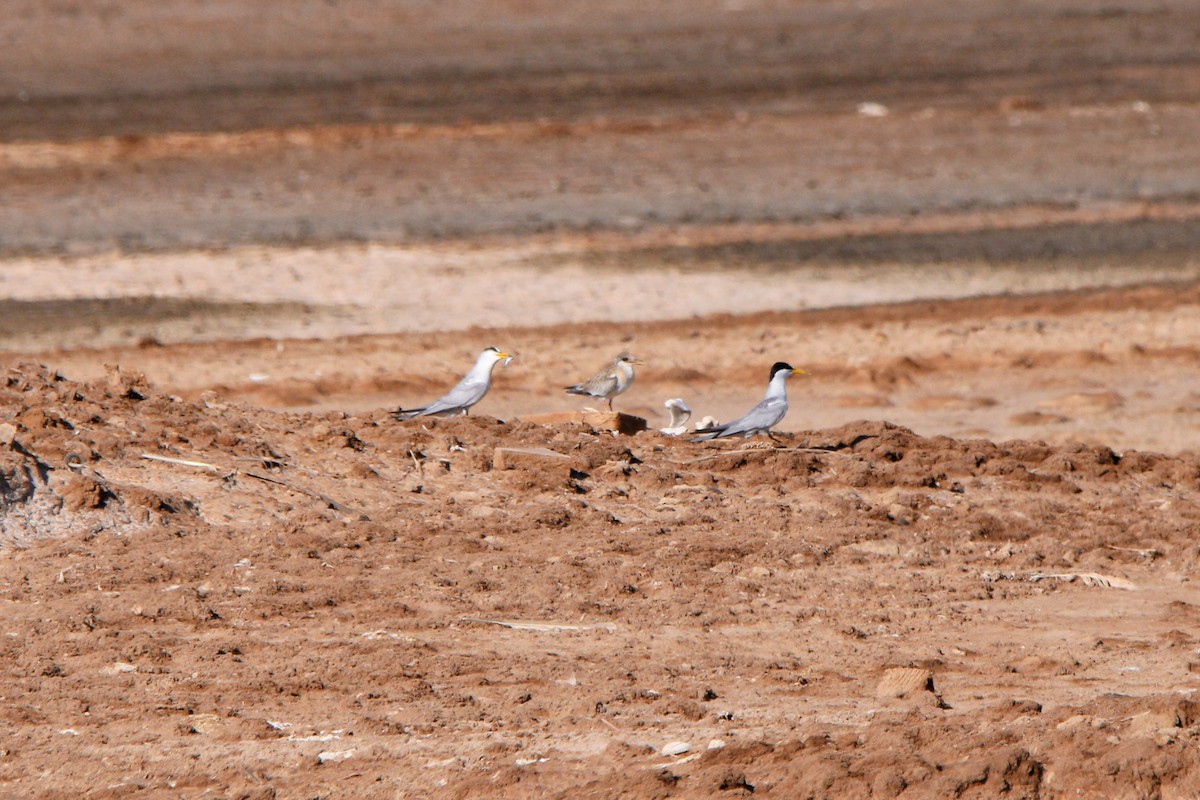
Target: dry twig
point(326, 499)
point(1087, 579)
point(748, 450)
point(542, 627)
point(183, 463)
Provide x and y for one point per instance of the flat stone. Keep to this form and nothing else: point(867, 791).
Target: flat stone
point(118, 668)
point(334, 755)
point(874, 547)
point(675, 748)
point(519, 457)
point(1151, 723)
point(904, 681)
point(626, 424)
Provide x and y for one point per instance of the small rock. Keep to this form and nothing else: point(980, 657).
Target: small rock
point(517, 457)
point(484, 512)
point(904, 681)
point(1151, 723)
point(8, 432)
point(875, 547)
point(675, 748)
point(334, 755)
point(626, 424)
point(1073, 722)
point(205, 724)
point(716, 744)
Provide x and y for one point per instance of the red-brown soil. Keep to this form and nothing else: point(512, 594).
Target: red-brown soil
point(377, 595)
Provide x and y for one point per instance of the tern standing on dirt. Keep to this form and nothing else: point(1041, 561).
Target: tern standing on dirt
point(469, 391)
point(610, 381)
point(763, 416)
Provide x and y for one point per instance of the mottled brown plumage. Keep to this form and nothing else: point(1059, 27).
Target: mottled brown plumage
point(608, 382)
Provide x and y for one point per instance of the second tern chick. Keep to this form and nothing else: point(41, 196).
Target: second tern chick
point(680, 413)
point(610, 381)
point(466, 393)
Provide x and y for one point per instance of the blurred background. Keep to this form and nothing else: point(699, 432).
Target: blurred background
point(185, 171)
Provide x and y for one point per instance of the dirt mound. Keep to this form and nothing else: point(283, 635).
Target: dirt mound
point(254, 601)
point(47, 483)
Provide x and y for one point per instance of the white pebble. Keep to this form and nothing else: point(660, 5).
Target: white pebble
point(675, 748)
point(334, 755)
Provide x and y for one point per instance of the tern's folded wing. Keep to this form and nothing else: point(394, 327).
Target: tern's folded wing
point(601, 385)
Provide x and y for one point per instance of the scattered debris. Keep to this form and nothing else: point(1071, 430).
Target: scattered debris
point(543, 627)
point(1087, 579)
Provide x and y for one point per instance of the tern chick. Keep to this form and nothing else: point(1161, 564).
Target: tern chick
point(680, 412)
point(610, 381)
point(763, 416)
point(466, 393)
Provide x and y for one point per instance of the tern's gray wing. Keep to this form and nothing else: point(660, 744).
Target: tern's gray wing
point(760, 418)
point(602, 384)
point(466, 393)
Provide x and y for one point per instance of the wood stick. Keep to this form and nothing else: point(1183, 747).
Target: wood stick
point(326, 499)
point(183, 463)
point(746, 450)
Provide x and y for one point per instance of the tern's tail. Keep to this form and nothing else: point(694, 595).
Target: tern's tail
point(709, 433)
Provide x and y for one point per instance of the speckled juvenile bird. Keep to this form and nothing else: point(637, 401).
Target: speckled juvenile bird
point(760, 419)
point(466, 393)
point(610, 381)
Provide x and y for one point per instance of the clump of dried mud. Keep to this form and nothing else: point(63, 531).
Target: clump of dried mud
point(347, 604)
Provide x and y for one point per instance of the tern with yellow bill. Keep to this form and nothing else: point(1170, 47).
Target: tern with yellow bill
point(469, 391)
point(764, 416)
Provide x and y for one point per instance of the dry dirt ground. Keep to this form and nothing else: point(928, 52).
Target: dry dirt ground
point(967, 569)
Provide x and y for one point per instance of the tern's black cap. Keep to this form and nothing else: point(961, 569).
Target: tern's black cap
point(781, 365)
